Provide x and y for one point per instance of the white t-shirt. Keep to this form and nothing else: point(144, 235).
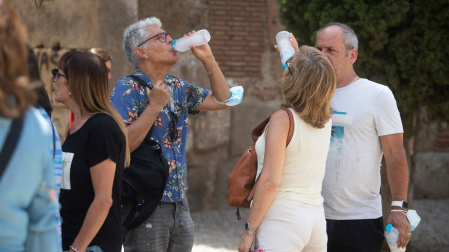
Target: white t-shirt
point(363, 111)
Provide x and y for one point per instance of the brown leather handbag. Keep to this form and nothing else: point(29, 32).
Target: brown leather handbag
point(242, 180)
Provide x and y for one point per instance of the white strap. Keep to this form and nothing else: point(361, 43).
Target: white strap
point(396, 203)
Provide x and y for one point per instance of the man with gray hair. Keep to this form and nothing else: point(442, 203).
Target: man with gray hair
point(366, 124)
point(165, 111)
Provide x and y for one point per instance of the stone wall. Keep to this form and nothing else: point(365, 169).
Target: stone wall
point(58, 26)
point(432, 166)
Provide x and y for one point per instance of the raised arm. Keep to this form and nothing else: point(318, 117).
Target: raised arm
point(219, 86)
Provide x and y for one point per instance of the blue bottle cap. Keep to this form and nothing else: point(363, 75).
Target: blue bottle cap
point(389, 227)
point(284, 66)
point(173, 44)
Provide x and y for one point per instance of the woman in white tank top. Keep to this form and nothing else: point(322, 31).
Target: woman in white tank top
point(287, 211)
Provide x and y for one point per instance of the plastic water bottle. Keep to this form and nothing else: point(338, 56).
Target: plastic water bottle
point(392, 235)
point(285, 46)
point(200, 37)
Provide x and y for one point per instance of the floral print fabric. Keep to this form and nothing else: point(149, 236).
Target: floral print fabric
point(130, 100)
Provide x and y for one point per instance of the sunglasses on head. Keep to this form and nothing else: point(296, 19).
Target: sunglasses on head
point(160, 36)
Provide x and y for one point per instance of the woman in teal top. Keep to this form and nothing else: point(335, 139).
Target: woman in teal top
point(28, 206)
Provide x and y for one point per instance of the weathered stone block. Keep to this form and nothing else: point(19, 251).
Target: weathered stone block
point(244, 118)
point(224, 168)
point(432, 175)
point(212, 129)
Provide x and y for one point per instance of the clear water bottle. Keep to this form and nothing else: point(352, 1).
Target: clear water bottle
point(392, 235)
point(200, 37)
point(285, 46)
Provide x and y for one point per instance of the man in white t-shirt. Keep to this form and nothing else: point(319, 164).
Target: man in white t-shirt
point(366, 124)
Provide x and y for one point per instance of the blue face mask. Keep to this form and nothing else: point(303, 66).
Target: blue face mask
point(413, 218)
point(236, 96)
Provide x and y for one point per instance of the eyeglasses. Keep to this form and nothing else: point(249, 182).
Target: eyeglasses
point(56, 74)
point(173, 131)
point(160, 36)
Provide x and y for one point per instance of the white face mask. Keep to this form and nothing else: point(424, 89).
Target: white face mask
point(413, 218)
point(236, 96)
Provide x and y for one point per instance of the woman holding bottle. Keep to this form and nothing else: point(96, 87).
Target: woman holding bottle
point(287, 210)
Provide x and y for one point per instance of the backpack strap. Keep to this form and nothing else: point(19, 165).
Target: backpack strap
point(289, 138)
point(10, 143)
point(144, 85)
point(140, 81)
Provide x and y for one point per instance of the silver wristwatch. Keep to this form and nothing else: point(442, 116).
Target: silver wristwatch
point(249, 229)
point(402, 204)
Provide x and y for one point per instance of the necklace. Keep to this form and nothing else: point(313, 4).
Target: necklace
point(356, 78)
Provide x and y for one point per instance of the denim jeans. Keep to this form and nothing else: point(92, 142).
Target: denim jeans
point(169, 228)
point(355, 235)
point(92, 249)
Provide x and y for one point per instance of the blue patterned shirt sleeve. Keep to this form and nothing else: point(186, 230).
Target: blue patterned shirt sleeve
point(194, 95)
point(126, 99)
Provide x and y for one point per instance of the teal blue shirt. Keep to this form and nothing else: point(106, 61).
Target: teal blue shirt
point(28, 205)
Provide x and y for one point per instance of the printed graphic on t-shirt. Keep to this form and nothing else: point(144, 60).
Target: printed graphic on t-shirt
point(340, 120)
point(67, 159)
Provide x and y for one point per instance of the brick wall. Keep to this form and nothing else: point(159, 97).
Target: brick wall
point(238, 35)
point(442, 140)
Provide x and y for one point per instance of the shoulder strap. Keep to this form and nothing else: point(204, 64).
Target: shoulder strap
point(289, 138)
point(291, 127)
point(261, 127)
point(10, 143)
point(54, 138)
point(144, 84)
point(140, 81)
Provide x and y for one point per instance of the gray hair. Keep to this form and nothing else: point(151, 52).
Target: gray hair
point(349, 38)
point(134, 35)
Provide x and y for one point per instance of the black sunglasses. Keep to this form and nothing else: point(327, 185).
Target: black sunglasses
point(56, 74)
point(289, 70)
point(173, 131)
point(160, 36)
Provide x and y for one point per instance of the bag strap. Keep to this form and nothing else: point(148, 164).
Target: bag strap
point(145, 208)
point(54, 138)
point(291, 128)
point(143, 84)
point(257, 132)
point(140, 81)
point(289, 138)
point(10, 143)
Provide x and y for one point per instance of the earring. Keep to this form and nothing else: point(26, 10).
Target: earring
point(70, 94)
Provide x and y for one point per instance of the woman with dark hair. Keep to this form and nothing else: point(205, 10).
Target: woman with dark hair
point(287, 212)
point(43, 101)
point(95, 153)
point(28, 205)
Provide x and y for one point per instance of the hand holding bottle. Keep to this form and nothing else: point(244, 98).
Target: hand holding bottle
point(287, 45)
point(399, 221)
point(392, 236)
point(198, 42)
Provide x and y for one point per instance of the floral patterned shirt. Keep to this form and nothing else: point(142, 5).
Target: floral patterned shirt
point(130, 100)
